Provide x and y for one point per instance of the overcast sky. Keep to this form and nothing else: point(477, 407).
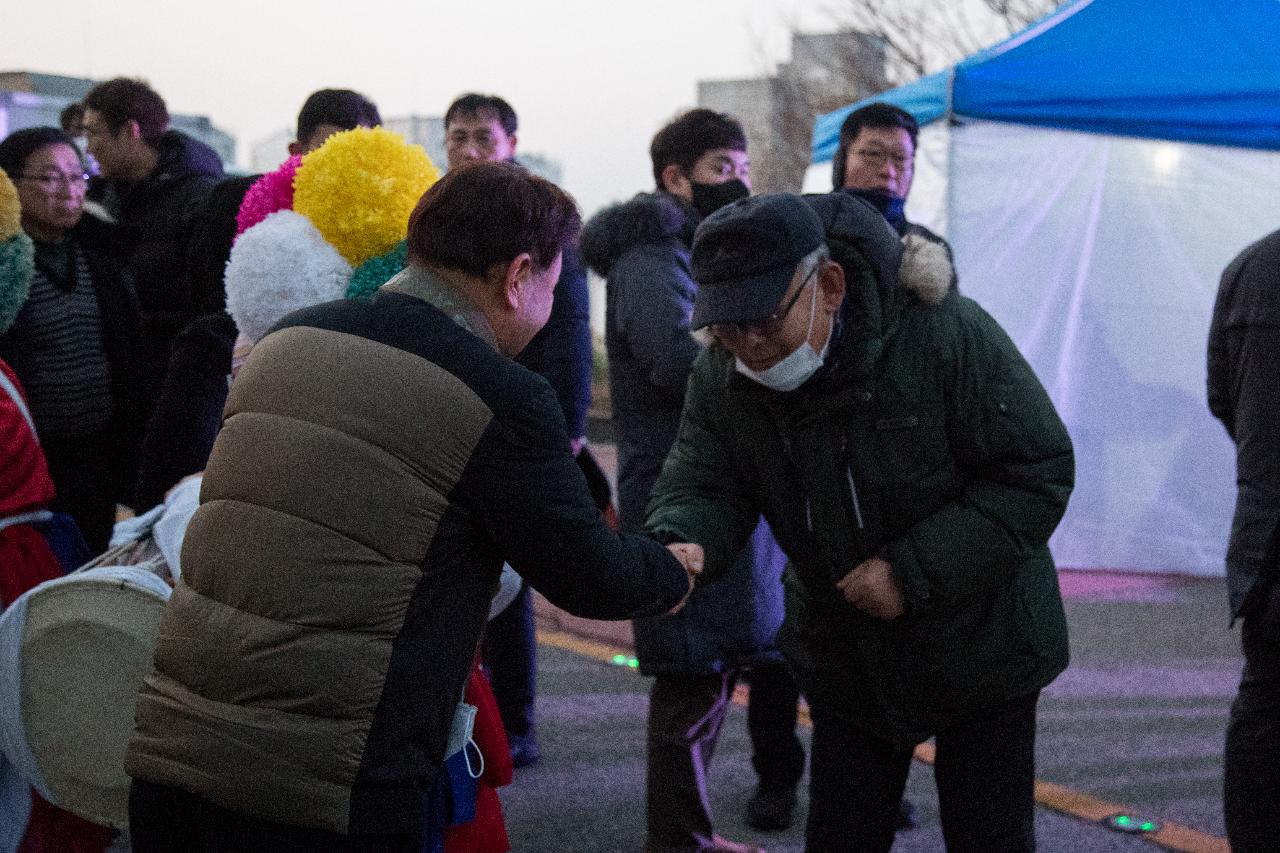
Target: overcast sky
point(592, 80)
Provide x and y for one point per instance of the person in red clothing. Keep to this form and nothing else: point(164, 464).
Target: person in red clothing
point(25, 492)
point(25, 561)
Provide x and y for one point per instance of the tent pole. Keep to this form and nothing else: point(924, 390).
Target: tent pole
point(950, 125)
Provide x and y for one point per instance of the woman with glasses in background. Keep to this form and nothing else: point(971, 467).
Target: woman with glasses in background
point(72, 342)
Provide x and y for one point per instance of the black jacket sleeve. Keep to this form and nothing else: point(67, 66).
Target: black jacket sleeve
point(180, 434)
point(1243, 362)
point(535, 505)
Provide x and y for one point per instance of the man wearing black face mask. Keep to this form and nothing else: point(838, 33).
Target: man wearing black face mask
point(642, 248)
point(875, 161)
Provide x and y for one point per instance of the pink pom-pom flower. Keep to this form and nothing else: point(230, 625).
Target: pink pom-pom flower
point(270, 193)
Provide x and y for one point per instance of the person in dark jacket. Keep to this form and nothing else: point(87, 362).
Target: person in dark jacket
point(152, 179)
point(188, 410)
point(483, 129)
point(641, 248)
point(912, 468)
point(875, 161)
point(379, 462)
point(1244, 361)
point(73, 341)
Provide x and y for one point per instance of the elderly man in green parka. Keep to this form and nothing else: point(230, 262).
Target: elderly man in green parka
point(913, 469)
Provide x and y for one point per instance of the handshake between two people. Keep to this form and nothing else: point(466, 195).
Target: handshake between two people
point(870, 586)
point(691, 557)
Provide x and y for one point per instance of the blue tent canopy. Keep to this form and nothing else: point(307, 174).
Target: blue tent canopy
point(1188, 70)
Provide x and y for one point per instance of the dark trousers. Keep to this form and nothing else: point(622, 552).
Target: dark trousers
point(985, 773)
point(511, 657)
point(776, 752)
point(86, 477)
point(169, 820)
point(685, 715)
point(1251, 789)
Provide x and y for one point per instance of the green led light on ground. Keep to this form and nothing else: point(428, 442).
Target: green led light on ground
point(1129, 823)
point(620, 660)
point(633, 663)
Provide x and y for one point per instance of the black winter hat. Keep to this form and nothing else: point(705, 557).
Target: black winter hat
point(745, 254)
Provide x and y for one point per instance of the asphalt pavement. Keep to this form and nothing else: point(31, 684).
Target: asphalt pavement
point(1135, 725)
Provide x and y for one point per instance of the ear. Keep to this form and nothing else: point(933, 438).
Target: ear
point(295, 148)
point(132, 129)
point(515, 141)
point(675, 182)
point(514, 277)
point(831, 286)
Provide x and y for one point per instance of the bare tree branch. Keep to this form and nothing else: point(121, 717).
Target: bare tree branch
point(879, 43)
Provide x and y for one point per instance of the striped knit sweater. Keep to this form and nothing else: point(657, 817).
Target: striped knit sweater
point(65, 367)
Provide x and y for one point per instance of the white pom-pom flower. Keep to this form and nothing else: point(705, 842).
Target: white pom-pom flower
point(278, 266)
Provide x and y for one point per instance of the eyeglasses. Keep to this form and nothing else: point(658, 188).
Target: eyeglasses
point(481, 138)
point(768, 327)
point(51, 181)
point(878, 157)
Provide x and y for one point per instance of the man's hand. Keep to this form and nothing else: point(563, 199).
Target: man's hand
point(871, 588)
point(690, 556)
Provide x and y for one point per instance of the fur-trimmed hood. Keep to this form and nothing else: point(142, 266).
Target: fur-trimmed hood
point(646, 218)
point(926, 270)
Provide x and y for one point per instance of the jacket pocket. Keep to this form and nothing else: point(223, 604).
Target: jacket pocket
point(908, 444)
point(968, 656)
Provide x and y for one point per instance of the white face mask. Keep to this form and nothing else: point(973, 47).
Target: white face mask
point(794, 370)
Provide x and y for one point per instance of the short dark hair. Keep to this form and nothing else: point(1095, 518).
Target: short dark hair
point(71, 119)
point(340, 107)
point(473, 104)
point(21, 144)
point(488, 213)
point(692, 134)
point(878, 114)
point(122, 99)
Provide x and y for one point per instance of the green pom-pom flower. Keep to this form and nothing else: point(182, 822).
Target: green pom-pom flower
point(17, 265)
point(375, 272)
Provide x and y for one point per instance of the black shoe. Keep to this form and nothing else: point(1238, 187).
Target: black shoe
point(524, 750)
point(770, 809)
point(907, 816)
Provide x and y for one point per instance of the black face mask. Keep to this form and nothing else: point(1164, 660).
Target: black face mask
point(890, 206)
point(708, 198)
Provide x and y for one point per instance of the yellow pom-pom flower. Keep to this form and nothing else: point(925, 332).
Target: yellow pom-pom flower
point(359, 188)
point(10, 209)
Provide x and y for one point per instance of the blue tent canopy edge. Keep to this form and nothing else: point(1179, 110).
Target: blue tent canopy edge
point(1186, 70)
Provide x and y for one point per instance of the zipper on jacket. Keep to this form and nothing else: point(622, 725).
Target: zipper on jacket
point(808, 505)
point(848, 475)
point(853, 493)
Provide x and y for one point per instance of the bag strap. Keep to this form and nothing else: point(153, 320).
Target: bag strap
point(19, 402)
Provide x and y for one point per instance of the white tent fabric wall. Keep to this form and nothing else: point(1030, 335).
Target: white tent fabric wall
point(1100, 256)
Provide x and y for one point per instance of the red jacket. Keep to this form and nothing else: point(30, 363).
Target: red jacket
point(25, 561)
point(25, 486)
